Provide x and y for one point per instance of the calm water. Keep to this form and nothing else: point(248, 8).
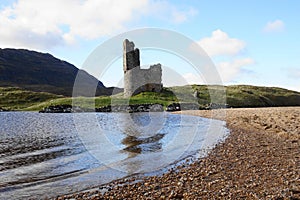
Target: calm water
point(44, 155)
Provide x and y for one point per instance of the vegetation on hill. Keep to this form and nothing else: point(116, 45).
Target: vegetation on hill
point(251, 96)
point(41, 72)
point(236, 96)
point(165, 98)
point(18, 99)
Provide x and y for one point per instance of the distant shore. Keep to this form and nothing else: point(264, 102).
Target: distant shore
point(259, 160)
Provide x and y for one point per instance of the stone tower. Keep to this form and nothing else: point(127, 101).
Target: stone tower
point(138, 80)
point(131, 56)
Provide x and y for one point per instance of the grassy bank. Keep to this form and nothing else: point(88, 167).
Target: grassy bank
point(12, 98)
point(235, 96)
point(239, 96)
point(165, 98)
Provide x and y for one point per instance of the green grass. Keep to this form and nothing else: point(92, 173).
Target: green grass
point(247, 96)
point(165, 98)
point(253, 96)
point(12, 98)
point(234, 96)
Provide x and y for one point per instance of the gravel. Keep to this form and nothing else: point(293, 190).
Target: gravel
point(259, 160)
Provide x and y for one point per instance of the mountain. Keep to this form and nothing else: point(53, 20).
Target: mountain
point(42, 72)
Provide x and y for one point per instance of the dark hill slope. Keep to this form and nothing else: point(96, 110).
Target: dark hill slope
point(43, 73)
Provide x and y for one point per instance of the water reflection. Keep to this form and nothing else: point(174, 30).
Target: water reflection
point(141, 137)
point(136, 141)
point(143, 145)
point(43, 155)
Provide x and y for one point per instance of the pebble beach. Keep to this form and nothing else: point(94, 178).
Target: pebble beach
point(260, 159)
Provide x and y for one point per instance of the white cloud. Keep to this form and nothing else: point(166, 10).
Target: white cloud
point(182, 16)
point(36, 23)
point(230, 70)
point(274, 26)
point(221, 44)
point(168, 12)
point(43, 24)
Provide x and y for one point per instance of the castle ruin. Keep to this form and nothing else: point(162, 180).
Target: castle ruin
point(138, 80)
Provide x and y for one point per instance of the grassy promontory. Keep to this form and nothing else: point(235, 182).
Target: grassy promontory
point(236, 96)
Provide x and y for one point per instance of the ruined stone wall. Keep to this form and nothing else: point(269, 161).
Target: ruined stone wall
point(138, 80)
point(131, 56)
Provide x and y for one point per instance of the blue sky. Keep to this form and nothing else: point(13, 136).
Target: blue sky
point(250, 42)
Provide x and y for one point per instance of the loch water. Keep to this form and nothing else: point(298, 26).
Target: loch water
point(43, 155)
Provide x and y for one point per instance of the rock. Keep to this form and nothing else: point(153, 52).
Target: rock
point(182, 106)
point(65, 108)
point(3, 110)
point(131, 108)
point(156, 108)
point(196, 94)
point(173, 107)
point(216, 106)
point(103, 109)
point(57, 109)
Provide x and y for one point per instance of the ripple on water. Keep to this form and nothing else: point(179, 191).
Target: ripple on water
point(51, 154)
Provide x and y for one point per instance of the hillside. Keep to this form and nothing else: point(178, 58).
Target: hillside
point(41, 72)
point(18, 99)
point(236, 96)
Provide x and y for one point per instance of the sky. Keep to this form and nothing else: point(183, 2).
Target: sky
point(250, 42)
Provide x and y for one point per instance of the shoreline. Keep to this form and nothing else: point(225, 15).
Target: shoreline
point(258, 160)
